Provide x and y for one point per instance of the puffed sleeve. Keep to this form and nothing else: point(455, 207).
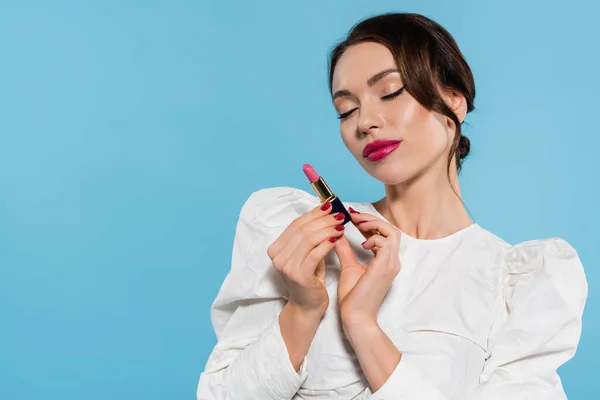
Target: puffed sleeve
point(545, 291)
point(543, 295)
point(250, 359)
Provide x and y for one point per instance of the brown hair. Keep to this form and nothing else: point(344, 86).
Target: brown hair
point(426, 56)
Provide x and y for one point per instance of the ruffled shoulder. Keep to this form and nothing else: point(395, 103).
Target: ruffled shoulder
point(251, 277)
point(543, 258)
point(546, 266)
point(540, 320)
point(530, 255)
point(276, 206)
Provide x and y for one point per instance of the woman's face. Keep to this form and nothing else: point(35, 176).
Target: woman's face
point(367, 94)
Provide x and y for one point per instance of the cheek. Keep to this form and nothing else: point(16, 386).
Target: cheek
point(440, 139)
point(423, 131)
point(349, 138)
point(432, 143)
point(425, 134)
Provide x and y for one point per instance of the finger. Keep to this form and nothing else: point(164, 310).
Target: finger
point(313, 264)
point(297, 250)
point(355, 217)
point(320, 211)
point(316, 255)
point(369, 223)
point(309, 235)
point(317, 212)
point(377, 280)
point(345, 253)
point(385, 265)
point(375, 241)
point(392, 240)
point(374, 249)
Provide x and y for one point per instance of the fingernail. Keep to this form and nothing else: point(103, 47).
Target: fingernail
point(332, 239)
point(325, 206)
point(363, 243)
point(353, 211)
point(339, 216)
point(339, 228)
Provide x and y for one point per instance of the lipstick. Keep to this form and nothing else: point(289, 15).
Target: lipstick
point(380, 149)
point(324, 193)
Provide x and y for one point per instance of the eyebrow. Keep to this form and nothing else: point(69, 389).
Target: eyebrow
point(371, 81)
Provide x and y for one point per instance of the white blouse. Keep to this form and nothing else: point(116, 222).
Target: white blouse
point(474, 317)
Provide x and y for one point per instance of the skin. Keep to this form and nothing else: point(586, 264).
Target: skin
point(419, 201)
point(419, 198)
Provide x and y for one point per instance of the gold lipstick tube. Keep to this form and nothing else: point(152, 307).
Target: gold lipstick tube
point(325, 194)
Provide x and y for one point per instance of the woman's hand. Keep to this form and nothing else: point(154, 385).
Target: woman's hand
point(361, 288)
point(299, 252)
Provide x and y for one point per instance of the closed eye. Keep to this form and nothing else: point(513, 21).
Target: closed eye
point(385, 98)
point(346, 114)
point(394, 95)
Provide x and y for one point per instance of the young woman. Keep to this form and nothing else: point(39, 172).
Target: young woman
point(432, 306)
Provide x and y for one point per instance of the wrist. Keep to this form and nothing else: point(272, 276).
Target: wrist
point(303, 314)
point(298, 329)
point(361, 332)
point(360, 324)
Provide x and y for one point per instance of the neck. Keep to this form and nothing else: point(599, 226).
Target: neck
point(426, 207)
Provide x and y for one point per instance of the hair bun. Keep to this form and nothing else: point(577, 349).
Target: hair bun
point(464, 146)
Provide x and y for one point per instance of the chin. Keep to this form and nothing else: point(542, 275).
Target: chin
point(390, 173)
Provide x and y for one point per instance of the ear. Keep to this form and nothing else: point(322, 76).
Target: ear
point(458, 103)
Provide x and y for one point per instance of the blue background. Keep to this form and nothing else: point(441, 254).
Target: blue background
point(132, 132)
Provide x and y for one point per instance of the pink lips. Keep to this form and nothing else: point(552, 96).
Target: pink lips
point(380, 149)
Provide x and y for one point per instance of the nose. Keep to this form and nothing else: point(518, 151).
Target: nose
point(369, 119)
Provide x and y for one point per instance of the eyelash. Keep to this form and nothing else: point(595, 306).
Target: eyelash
point(388, 97)
point(394, 95)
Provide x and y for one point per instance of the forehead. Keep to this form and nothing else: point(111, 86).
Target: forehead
point(360, 62)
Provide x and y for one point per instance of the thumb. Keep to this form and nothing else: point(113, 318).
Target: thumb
point(345, 253)
point(320, 271)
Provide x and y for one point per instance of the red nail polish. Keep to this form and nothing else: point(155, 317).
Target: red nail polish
point(332, 239)
point(339, 216)
point(325, 206)
point(339, 228)
point(352, 210)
